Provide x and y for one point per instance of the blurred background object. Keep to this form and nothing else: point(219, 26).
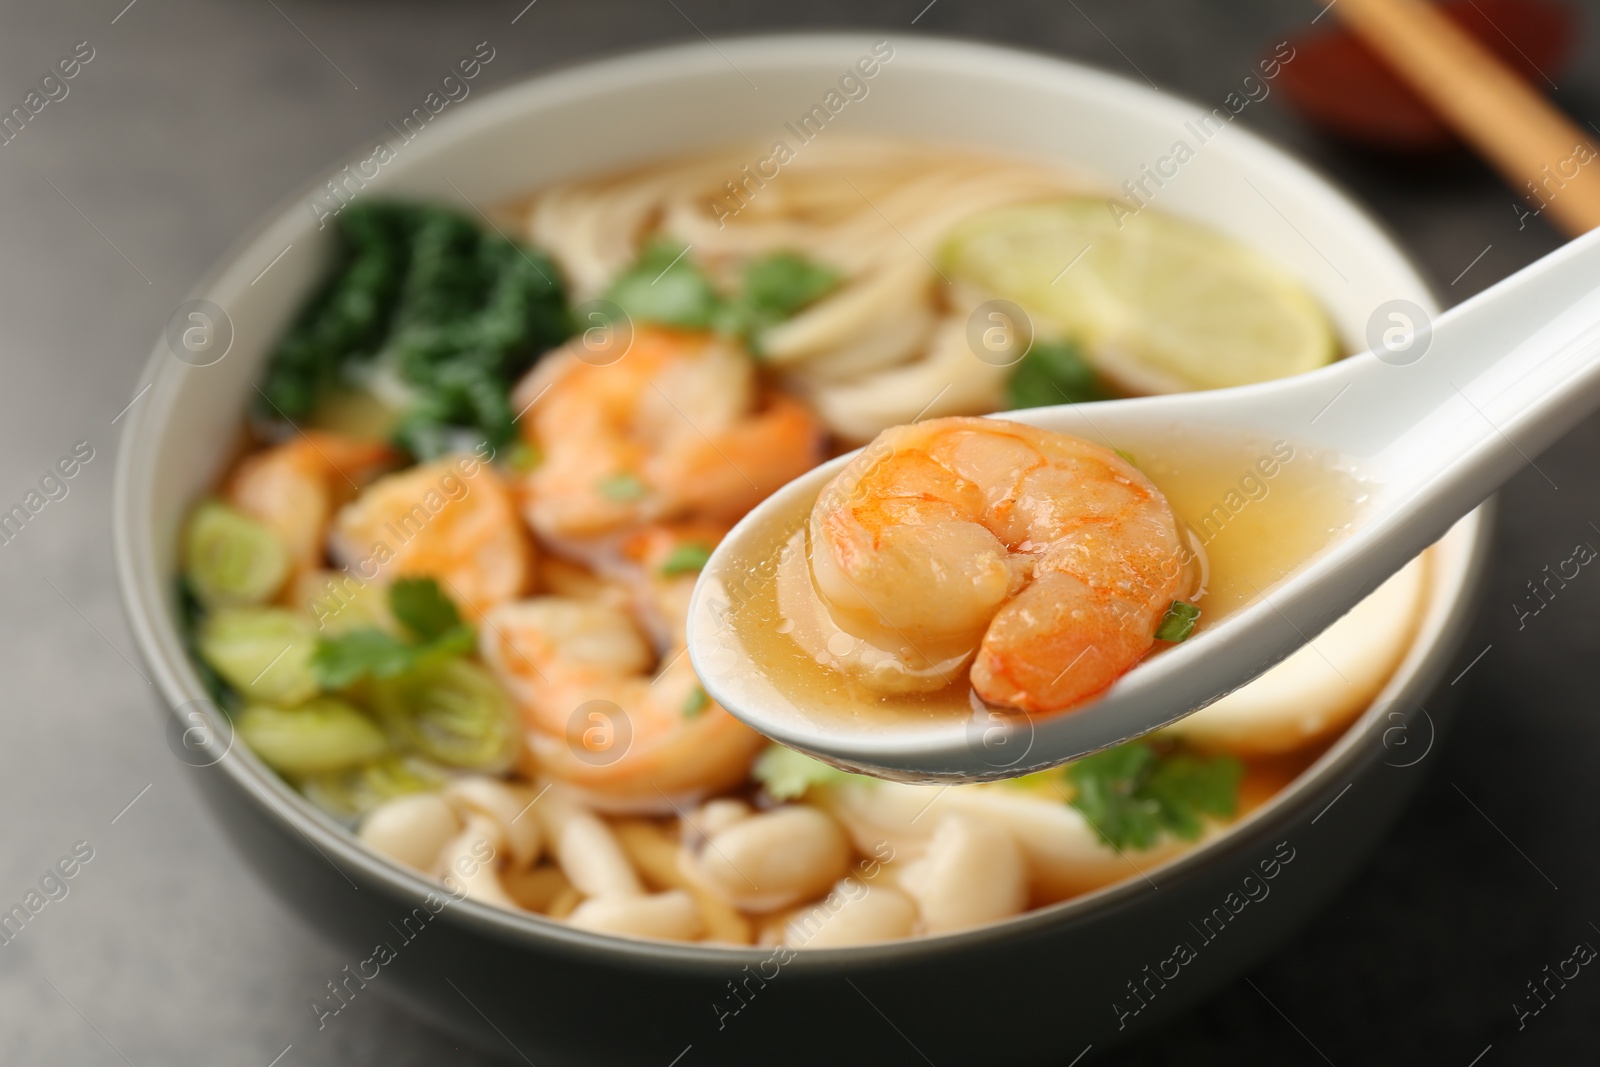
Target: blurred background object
point(1342, 84)
point(1409, 74)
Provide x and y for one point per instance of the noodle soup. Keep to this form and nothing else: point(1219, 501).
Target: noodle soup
point(443, 590)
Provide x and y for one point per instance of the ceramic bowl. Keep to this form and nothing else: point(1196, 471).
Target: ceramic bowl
point(1038, 988)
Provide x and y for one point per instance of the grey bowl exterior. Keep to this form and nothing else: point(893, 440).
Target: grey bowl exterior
point(1035, 989)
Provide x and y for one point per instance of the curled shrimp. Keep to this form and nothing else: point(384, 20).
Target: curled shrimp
point(601, 716)
point(652, 568)
point(677, 427)
point(452, 520)
point(1049, 560)
point(294, 487)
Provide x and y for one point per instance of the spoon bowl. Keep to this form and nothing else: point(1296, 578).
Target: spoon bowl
point(1433, 419)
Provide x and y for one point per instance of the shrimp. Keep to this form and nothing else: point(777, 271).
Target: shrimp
point(453, 520)
point(662, 562)
point(678, 427)
point(1047, 559)
point(294, 487)
point(653, 568)
point(602, 717)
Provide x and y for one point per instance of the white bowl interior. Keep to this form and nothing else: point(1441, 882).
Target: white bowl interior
point(675, 101)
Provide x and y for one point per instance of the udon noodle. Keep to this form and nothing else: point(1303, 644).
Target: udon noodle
point(889, 344)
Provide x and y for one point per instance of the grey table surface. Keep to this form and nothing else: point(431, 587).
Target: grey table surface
point(194, 118)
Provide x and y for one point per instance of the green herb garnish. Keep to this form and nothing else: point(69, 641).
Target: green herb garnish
point(666, 287)
point(1053, 372)
point(461, 313)
point(421, 607)
point(523, 457)
point(428, 615)
point(695, 703)
point(788, 774)
point(342, 661)
point(1132, 794)
point(775, 288)
point(1178, 622)
point(623, 488)
point(687, 558)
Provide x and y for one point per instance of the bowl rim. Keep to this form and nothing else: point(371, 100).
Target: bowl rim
point(143, 597)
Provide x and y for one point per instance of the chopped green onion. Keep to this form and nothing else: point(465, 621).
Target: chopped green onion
point(349, 794)
point(230, 559)
point(263, 653)
point(623, 487)
point(687, 558)
point(1178, 622)
point(696, 703)
point(452, 711)
point(788, 775)
point(523, 457)
point(191, 613)
point(323, 734)
point(347, 607)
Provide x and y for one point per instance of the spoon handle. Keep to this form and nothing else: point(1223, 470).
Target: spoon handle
point(1456, 407)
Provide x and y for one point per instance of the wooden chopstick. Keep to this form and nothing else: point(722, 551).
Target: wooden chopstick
point(1549, 160)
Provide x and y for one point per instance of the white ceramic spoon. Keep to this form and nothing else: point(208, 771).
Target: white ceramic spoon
point(1502, 376)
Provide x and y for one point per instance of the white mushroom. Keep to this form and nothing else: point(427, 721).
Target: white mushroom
point(972, 873)
point(507, 805)
point(412, 829)
point(672, 915)
point(469, 862)
point(854, 913)
point(586, 849)
point(1064, 854)
point(714, 816)
point(769, 861)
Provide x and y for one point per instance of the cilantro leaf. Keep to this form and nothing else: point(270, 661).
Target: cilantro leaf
point(456, 641)
point(339, 662)
point(787, 774)
point(426, 613)
point(776, 287)
point(665, 287)
point(1187, 787)
point(687, 558)
point(1133, 794)
point(422, 607)
point(1053, 372)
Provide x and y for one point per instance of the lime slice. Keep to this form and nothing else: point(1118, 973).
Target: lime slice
point(1160, 305)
